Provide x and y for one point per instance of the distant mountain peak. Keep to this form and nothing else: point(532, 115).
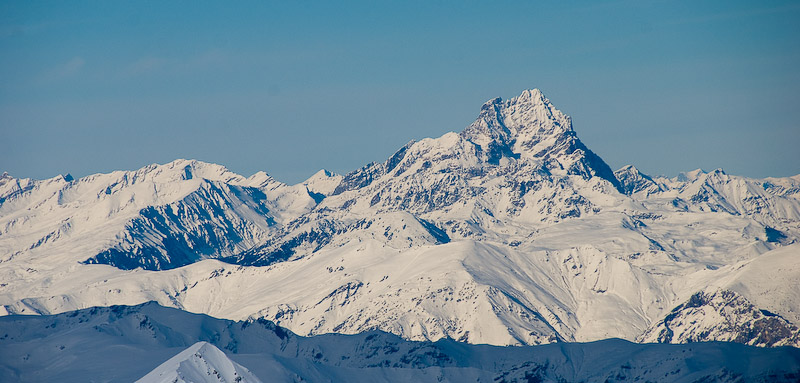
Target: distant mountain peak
point(633, 181)
point(506, 122)
point(262, 180)
point(323, 182)
point(531, 94)
point(690, 175)
point(529, 126)
point(321, 174)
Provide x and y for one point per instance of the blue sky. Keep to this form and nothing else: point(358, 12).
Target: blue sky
point(293, 87)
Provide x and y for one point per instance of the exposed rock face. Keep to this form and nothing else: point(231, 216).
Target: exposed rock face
point(205, 224)
point(723, 316)
point(632, 181)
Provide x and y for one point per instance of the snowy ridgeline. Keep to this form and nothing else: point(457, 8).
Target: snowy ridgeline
point(510, 232)
point(157, 344)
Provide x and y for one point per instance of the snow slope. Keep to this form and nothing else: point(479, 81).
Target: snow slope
point(200, 363)
point(510, 232)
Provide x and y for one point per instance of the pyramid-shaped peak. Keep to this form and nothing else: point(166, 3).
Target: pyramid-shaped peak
point(532, 95)
point(533, 104)
point(323, 182)
point(527, 118)
point(200, 363)
point(529, 126)
point(632, 181)
point(321, 174)
point(262, 179)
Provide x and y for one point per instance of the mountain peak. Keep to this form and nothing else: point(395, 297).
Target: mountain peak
point(523, 120)
point(190, 169)
point(201, 362)
point(321, 174)
point(531, 96)
point(529, 126)
point(262, 180)
point(633, 181)
point(323, 182)
point(488, 104)
point(691, 175)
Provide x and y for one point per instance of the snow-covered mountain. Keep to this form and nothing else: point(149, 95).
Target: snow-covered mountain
point(510, 232)
point(124, 343)
point(723, 316)
point(200, 363)
point(158, 217)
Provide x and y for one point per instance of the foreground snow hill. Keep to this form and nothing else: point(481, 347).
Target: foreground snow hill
point(200, 363)
point(153, 343)
point(510, 232)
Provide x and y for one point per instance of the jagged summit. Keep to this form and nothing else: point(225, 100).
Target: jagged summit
point(517, 120)
point(633, 181)
point(526, 131)
point(529, 126)
point(263, 180)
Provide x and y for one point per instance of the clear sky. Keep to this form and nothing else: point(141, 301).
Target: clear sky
point(294, 86)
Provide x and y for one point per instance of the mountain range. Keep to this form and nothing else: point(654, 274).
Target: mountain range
point(511, 232)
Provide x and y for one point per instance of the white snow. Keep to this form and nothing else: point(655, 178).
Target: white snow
point(323, 182)
point(200, 363)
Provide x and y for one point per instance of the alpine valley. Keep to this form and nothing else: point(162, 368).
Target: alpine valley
point(509, 233)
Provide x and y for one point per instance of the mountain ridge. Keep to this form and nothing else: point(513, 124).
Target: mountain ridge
point(99, 344)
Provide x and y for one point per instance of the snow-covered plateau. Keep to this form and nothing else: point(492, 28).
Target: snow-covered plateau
point(511, 232)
